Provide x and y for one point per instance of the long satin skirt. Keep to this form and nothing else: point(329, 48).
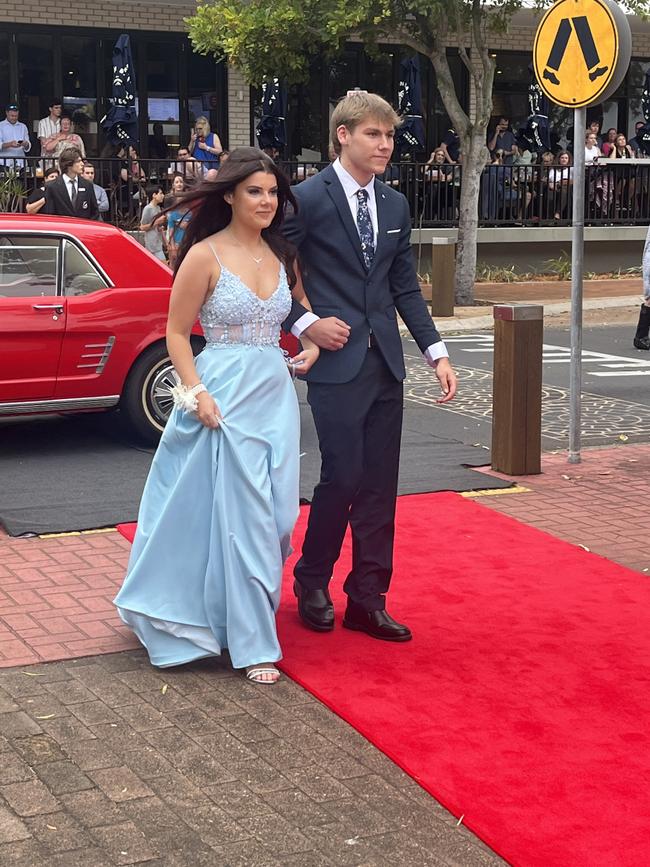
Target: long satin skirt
point(216, 516)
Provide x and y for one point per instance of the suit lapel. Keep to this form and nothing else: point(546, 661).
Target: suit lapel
point(381, 204)
point(337, 195)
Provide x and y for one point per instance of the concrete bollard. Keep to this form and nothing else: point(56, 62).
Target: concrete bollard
point(517, 389)
point(443, 276)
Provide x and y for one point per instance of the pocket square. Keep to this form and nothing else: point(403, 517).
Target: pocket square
point(392, 231)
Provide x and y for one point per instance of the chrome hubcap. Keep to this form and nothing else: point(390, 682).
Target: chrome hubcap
point(160, 396)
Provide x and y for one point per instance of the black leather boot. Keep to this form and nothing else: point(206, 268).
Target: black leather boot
point(641, 338)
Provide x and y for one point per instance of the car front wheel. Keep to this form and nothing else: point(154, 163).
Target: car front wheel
point(147, 401)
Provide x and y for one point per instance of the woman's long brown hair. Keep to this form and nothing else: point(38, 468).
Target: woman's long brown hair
point(211, 213)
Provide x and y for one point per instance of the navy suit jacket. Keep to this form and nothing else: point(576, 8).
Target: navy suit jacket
point(338, 283)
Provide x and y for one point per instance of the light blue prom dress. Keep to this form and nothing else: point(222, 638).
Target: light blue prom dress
point(219, 505)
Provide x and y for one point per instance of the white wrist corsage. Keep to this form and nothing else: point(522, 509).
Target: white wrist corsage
point(185, 397)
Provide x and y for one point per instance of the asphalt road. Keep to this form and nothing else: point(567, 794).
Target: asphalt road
point(616, 387)
point(611, 366)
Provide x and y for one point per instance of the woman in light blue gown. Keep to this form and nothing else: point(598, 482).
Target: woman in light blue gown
point(221, 499)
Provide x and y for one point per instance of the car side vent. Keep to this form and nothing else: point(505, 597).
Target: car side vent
point(100, 352)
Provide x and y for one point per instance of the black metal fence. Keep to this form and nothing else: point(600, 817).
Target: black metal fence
point(617, 192)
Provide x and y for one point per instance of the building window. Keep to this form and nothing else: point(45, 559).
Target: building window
point(4, 69)
point(35, 77)
point(205, 96)
point(79, 72)
point(512, 79)
point(163, 105)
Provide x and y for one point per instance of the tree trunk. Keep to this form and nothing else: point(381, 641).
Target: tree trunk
point(474, 156)
point(472, 133)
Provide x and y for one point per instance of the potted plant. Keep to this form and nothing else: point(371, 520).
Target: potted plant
point(12, 193)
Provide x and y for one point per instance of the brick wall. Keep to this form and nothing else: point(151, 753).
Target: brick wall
point(165, 16)
point(239, 124)
point(100, 13)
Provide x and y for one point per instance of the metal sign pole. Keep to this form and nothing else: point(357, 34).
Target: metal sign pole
point(577, 263)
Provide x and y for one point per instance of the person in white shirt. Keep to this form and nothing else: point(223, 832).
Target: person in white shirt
point(14, 140)
point(560, 183)
point(49, 127)
point(592, 151)
point(599, 182)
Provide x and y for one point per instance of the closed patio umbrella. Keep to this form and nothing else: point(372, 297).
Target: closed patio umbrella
point(643, 135)
point(271, 130)
point(120, 124)
point(410, 135)
point(535, 136)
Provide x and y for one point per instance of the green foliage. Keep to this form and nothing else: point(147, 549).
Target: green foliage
point(11, 193)
point(497, 274)
point(264, 39)
point(560, 266)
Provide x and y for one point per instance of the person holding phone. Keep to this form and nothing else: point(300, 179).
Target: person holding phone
point(205, 145)
point(14, 140)
point(503, 139)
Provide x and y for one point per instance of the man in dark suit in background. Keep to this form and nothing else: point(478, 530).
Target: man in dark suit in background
point(353, 237)
point(69, 195)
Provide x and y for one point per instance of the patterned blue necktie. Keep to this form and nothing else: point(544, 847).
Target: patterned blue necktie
point(364, 225)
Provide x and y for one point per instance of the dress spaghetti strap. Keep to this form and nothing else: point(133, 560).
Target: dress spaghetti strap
point(215, 254)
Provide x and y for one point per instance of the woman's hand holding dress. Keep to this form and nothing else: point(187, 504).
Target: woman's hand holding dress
point(207, 410)
point(306, 359)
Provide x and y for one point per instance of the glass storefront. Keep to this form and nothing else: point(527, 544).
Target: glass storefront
point(511, 82)
point(310, 105)
point(75, 64)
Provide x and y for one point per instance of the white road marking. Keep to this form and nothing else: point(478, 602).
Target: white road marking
point(620, 365)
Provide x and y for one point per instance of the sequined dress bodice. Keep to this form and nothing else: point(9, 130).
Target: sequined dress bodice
point(234, 314)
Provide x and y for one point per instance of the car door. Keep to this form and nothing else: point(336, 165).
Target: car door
point(32, 316)
point(93, 319)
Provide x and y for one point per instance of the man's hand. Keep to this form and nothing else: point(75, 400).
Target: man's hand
point(329, 333)
point(447, 380)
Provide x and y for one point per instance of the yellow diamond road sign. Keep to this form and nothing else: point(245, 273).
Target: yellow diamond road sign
point(582, 51)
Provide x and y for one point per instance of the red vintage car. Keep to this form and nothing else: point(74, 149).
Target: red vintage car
point(83, 311)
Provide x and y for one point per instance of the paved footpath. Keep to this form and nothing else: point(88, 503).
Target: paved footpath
point(107, 761)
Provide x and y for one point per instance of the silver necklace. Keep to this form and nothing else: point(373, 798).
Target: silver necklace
point(255, 259)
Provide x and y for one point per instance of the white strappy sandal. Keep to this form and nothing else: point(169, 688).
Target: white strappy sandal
point(256, 674)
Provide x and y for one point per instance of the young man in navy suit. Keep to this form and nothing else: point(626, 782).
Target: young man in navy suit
point(353, 237)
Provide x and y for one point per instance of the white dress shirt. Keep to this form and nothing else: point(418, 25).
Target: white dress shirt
point(351, 188)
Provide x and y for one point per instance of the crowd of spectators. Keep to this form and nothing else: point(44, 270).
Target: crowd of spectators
point(122, 182)
point(520, 183)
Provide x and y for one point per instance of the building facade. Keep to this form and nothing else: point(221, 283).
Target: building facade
point(45, 52)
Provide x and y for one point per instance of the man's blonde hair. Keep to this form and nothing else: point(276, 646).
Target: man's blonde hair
point(354, 108)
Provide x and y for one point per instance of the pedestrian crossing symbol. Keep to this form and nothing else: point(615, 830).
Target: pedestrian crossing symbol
point(582, 51)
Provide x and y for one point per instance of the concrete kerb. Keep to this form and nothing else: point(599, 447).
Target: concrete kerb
point(485, 320)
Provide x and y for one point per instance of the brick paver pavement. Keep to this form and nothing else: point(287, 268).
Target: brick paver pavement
point(598, 503)
point(106, 761)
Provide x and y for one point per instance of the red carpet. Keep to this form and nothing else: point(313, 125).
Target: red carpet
point(523, 702)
